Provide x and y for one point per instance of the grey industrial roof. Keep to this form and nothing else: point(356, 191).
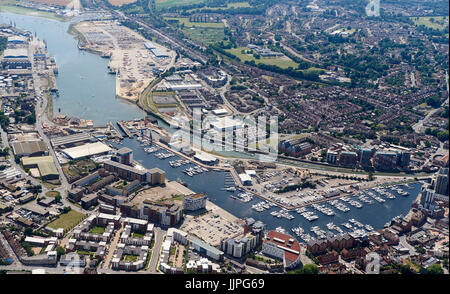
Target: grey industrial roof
point(70, 139)
point(29, 147)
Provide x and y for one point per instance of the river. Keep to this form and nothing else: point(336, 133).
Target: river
point(88, 91)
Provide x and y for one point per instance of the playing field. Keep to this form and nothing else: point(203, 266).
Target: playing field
point(434, 22)
point(205, 35)
point(67, 220)
point(160, 4)
point(283, 62)
point(121, 2)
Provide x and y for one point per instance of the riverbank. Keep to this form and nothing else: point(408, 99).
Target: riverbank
point(9, 6)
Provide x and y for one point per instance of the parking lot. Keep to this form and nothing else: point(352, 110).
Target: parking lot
point(213, 226)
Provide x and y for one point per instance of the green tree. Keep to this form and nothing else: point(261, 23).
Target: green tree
point(435, 269)
point(309, 269)
point(60, 251)
point(28, 231)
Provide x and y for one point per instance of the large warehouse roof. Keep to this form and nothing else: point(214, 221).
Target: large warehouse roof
point(47, 168)
point(45, 164)
point(86, 150)
point(29, 147)
point(28, 161)
point(16, 53)
point(70, 139)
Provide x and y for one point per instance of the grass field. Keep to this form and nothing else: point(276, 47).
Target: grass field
point(283, 62)
point(67, 220)
point(434, 22)
point(52, 194)
point(161, 4)
point(97, 230)
point(137, 235)
point(6, 6)
point(119, 3)
point(189, 24)
point(205, 35)
point(130, 258)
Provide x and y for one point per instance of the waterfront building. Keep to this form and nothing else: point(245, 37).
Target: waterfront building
point(86, 150)
point(194, 202)
point(282, 247)
point(238, 247)
point(126, 172)
point(366, 156)
point(205, 158)
point(441, 186)
point(157, 176)
point(72, 140)
point(385, 160)
point(332, 156)
point(124, 155)
point(347, 158)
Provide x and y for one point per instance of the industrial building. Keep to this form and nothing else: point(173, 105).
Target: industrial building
point(71, 140)
point(30, 148)
point(45, 165)
point(16, 58)
point(86, 150)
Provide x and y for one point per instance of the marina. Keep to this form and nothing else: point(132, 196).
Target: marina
point(76, 100)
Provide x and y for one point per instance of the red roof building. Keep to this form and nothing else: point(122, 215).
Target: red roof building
point(282, 246)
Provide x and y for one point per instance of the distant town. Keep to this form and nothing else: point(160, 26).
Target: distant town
point(241, 137)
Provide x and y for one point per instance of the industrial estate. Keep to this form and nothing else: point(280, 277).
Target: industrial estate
point(126, 180)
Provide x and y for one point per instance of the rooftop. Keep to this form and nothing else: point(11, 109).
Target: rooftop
point(86, 150)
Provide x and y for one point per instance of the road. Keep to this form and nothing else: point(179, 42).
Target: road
point(156, 250)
